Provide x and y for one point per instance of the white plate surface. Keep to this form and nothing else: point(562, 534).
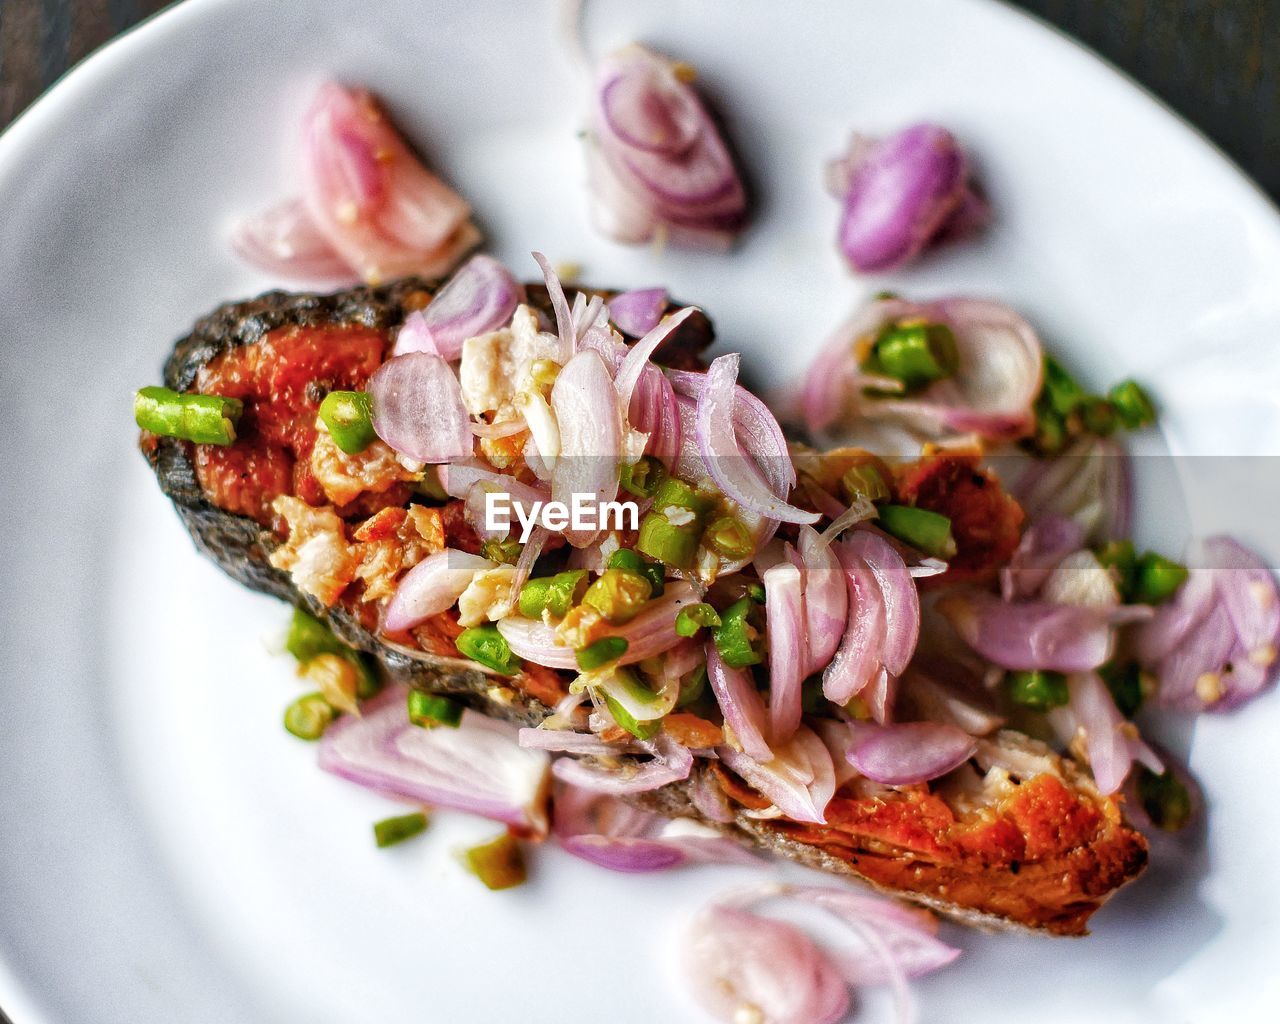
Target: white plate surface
point(168, 854)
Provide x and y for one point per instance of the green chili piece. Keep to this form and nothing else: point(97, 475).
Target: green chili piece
point(390, 831)
point(618, 595)
point(484, 644)
point(925, 531)
point(309, 637)
point(632, 561)
point(641, 694)
point(915, 353)
point(692, 689)
point(308, 716)
point(601, 653)
point(643, 477)
point(556, 594)
point(672, 545)
point(675, 492)
point(499, 863)
point(1128, 684)
point(1132, 404)
point(1051, 431)
point(1164, 798)
point(430, 486)
point(728, 538)
point(1060, 389)
point(204, 419)
point(734, 636)
point(864, 481)
point(348, 416)
point(1038, 690)
point(1099, 417)
point(429, 710)
point(506, 551)
point(755, 591)
point(695, 617)
point(1156, 579)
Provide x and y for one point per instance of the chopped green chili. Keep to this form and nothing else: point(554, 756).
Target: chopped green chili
point(309, 637)
point(1060, 389)
point(1051, 432)
point(1156, 579)
point(925, 531)
point(1038, 690)
point(308, 716)
point(390, 831)
point(505, 551)
point(729, 538)
point(1099, 417)
point(672, 545)
point(484, 644)
point(555, 594)
point(601, 653)
point(618, 595)
point(204, 419)
point(692, 689)
point(1132, 404)
point(1128, 684)
point(1164, 798)
point(633, 562)
point(695, 617)
point(915, 353)
point(677, 493)
point(643, 477)
point(429, 710)
point(348, 416)
point(735, 636)
point(755, 591)
point(864, 481)
point(499, 863)
point(640, 694)
point(430, 486)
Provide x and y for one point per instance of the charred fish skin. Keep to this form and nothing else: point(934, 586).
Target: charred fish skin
point(240, 546)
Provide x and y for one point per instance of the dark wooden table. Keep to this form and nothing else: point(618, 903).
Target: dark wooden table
point(1216, 62)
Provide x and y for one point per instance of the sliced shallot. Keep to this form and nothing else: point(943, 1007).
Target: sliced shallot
point(431, 587)
point(480, 297)
point(908, 752)
point(418, 410)
point(284, 240)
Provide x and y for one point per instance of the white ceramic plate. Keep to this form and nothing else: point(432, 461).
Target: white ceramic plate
point(168, 854)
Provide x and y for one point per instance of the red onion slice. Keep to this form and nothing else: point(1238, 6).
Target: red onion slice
point(654, 411)
point(587, 411)
point(745, 967)
point(784, 611)
point(901, 194)
point(415, 336)
point(1088, 484)
point(1214, 645)
point(733, 472)
point(857, 659)
point(1042, 548)
point(671, 762)
point(636, 360)
point(651, 632)
point(826, 599)
point(480, 297)
point(800, 779)
point(909, 752)
point(1031, 635)
point(740, 703)
point(1110, 742)
point(657, 162)
point(284, 240)
point(899, 598)
point(638, 311)
point(615, 835)
point(380, 209)
point(418, 410)
point(477, 767)
point(566, 741)
point(431, 587)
